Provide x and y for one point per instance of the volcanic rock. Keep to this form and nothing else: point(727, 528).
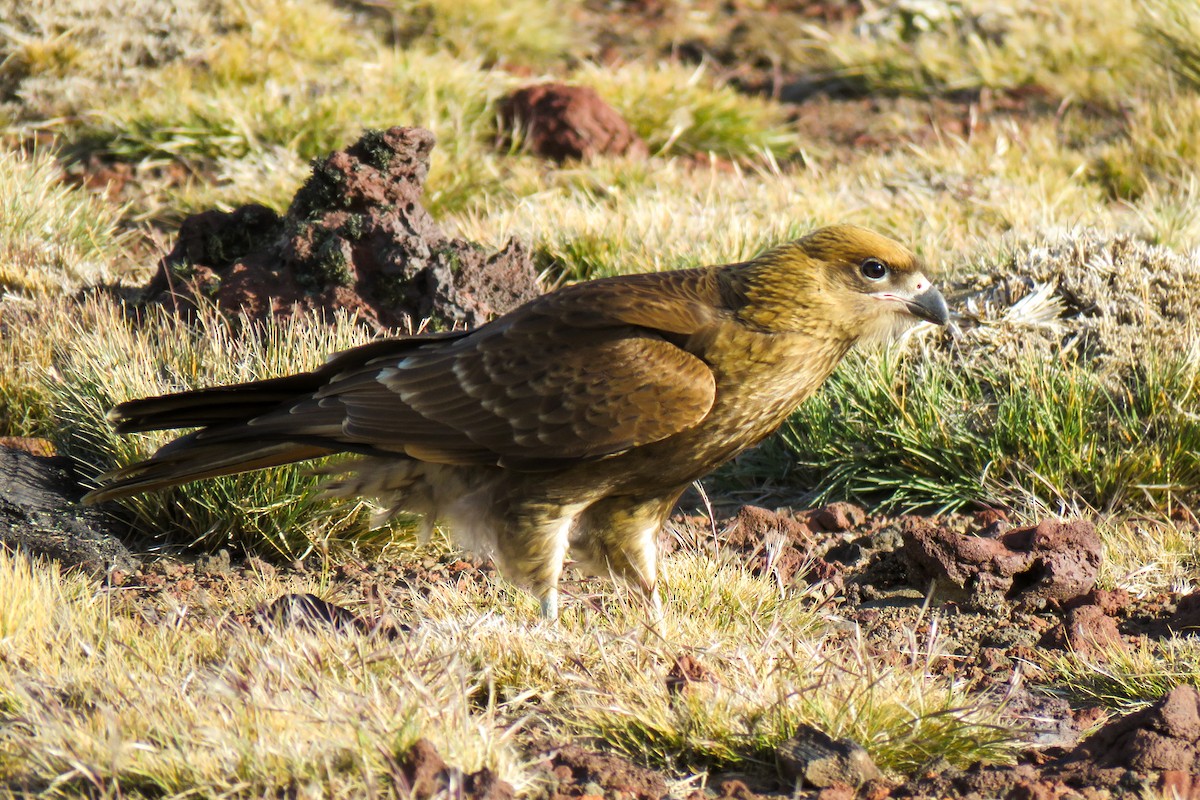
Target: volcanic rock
point(1051, 561)
point(356, 238)
point(562, 122)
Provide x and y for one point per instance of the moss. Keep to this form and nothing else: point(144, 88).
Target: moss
point(379, 153)
point(393, 290)
point(329, 266)
point(325, 189)
point(354, 227)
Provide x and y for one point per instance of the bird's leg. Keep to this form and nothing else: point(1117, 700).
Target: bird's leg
point(618, 536)
point(550, 604)
point(532, 549)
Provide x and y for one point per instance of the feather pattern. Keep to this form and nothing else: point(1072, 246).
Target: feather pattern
point(570, 424)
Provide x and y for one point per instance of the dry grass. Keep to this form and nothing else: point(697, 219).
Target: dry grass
point(53, 238)
point(100, 699)
point(215, 103)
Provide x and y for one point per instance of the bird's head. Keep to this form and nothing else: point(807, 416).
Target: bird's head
point(842, 281)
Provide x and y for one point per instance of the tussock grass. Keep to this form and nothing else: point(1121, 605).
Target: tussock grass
point(57, 56)
point(1158, 147)
point(676, 109)
point(1027, 434)
point(104, 358)
point(528, 32)
point(1073, 48)
point(53, 237)
point(1126, 679)
point(1052, 400)
point(1144, 555)
point(1173, 27)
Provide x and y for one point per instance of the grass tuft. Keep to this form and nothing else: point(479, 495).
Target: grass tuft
point(111, 358)
point(1051, 400)
point(53, 237)
point(1173, 28)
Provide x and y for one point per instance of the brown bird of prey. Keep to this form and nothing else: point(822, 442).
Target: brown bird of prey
point(571, 425)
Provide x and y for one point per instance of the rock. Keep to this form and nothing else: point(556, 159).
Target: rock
point(685, 672)
point(40, 514)
point(215, 564)
point(1085, 630)
point(26, 444)
point(575, 767)
point(754, 525)
point(1051, 561)
point(1179, 785)
point(774, 544)
point(838, 791)
point(1110, 601)
point(562, 122)
point(427, 776)
point(1164, 736)
point(309, 612)
point(1186, 618)
point(837, 517)
point(355, 238)
point(819, 761)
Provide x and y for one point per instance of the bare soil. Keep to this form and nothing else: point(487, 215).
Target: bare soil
point(882, 588)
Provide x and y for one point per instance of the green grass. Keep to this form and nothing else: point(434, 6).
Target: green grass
point(524, 32)
point(1173, 27)
point(1025, 433)
point(106, 358)
point(682, 110)
point(1126, 678)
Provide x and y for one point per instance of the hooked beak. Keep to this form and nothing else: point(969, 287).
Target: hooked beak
point(929, 305)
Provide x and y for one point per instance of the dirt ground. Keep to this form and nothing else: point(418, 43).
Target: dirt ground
point(994, 614)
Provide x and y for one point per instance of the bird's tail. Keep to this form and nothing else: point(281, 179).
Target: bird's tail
point(225, 445)
point(216, 406)
point(190, 462)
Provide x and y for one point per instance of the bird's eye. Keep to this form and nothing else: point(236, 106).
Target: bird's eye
point(874, 270)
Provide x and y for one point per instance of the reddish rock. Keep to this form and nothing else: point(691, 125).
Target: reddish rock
point(1085, 718)
point(1164, 736)
point(1176, 784)
point(837, 517)
point(989, 516)
point(1051, 561)
point(562, 122)
point(575, 767)
point(774, 544)
point(839, 791)
point(355, 238)
point(818, 760)
point(754, 525)
point(1086, 630)
point(1111, 602)
point(424, 775)
point(685, 672)
point(1039, 790)
point(307, 611)
point(34, 447)
point(1186, 618)
point(734, 789)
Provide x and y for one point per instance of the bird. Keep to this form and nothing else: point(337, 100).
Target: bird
point(569, 427)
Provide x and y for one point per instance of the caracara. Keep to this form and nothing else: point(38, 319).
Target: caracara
point(570, 426)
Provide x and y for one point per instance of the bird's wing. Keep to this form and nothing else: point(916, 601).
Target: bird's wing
point(577, 374)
